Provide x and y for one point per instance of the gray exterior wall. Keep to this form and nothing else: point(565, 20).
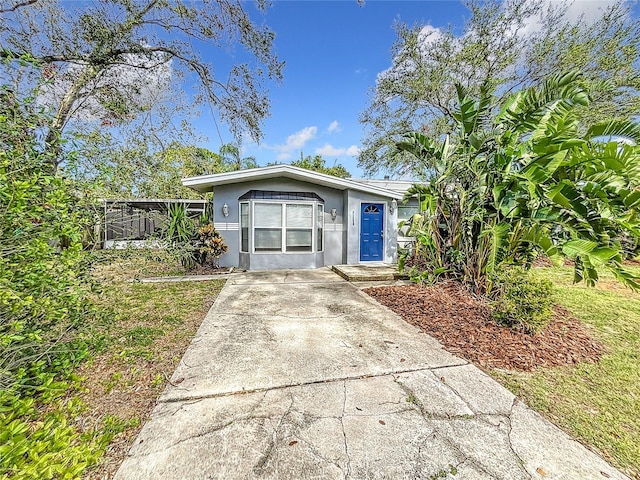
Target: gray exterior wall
point(341, 236)
point(228, 227)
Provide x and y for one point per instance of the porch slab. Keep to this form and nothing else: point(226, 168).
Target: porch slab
point(370, 273)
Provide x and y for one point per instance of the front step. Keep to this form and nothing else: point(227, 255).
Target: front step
point(374, 273)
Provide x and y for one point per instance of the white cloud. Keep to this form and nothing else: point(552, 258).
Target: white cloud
point(429, 34)
point(295, 141)
point(330, 151)
point(353, 151)
point(334, 127)
point(571, 12)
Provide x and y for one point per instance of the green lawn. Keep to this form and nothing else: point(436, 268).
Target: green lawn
point(135, 354)
point(599, 404)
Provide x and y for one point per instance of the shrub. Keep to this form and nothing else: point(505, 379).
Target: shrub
point(181, 236)
point(193, 241)
point(520, 301)
point(44, 300)
point(43, 288)
point(211, 244)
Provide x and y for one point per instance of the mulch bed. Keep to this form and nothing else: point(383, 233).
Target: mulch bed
point(462, 323)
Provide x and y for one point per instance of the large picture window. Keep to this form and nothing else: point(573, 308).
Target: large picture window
point(287, 227)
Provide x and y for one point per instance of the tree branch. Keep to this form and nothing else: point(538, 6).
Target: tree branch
point(18, 5)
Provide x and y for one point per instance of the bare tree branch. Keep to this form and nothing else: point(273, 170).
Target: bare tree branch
point(18, 5)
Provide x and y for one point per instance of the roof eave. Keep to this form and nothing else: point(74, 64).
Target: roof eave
point(206, 182)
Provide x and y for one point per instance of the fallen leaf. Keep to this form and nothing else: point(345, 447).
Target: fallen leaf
point(292, 443)
point(179, 380)
point(381, 422)
point(541, 472)
point(402, 359)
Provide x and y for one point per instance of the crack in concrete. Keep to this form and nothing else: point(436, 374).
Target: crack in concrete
point(278, 315)
point(455, 392)
point(273, 445)
point(444, 438)
point(390, 373)
point(204, 433)
point(412, 398)
point(510, 442)
point(484, 418)
point(344, 433)
point(379, 414)
point(295, 282)
point(317, 454)
point(465, 459)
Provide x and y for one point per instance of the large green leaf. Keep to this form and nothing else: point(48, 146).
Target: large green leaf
point(578, 248)
point(626, 129)
point(497, 235)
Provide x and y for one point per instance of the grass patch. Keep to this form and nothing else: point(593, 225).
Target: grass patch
point(597, 403)
point(132, 264)
point(139, 346)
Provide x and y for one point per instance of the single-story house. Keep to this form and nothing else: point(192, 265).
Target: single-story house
point(288, 217)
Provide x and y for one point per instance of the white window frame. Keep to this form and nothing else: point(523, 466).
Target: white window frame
point(249, 239)
point(283, 205)
point(319, 210)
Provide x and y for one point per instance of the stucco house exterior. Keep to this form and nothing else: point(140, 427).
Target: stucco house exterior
point(288, 217)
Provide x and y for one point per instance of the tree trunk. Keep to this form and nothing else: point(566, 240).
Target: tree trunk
point(53, 140)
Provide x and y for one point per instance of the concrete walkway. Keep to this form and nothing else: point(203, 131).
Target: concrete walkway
point(299, 375)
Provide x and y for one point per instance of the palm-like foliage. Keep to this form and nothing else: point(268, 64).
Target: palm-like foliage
point(532, 177)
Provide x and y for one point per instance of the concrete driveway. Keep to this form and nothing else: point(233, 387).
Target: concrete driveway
point(299, 375)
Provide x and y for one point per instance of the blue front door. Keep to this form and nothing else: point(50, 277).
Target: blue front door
point(371, 232)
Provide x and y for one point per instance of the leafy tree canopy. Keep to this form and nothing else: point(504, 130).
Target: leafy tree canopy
point(106, 62)
point(233, 159)
point(507, 45)
point(318, 164)
point(135, 169)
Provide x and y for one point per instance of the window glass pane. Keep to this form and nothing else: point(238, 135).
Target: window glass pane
point(244, 227)
point(299, 216)
point(298, 240)
point(406, 212)
point(319, 225)
point(268, 239)
point(267, 215)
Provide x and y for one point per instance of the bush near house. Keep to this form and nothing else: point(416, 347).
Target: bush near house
point(44, 302)
point(524, 177)
point(521, 301)
point(193, 241)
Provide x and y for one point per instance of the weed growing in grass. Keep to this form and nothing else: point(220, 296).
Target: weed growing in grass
point(172, 320)
point(157, 381)
point(113, 425)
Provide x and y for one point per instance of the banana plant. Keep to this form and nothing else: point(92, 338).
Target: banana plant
point(527, 175)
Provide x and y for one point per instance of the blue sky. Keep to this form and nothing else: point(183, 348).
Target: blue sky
point(333, 52)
